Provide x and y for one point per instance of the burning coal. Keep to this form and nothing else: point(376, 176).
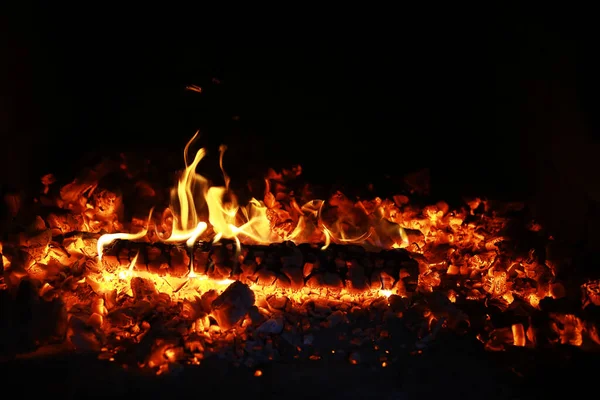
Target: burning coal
point(211, 274)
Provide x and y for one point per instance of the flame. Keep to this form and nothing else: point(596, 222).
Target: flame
point(107, 239)
point(128, 273)
point(198, 208)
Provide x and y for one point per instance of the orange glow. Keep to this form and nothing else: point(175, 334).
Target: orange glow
point(226, 272)
point(194, 88)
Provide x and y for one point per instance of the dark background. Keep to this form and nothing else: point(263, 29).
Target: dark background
point(498, 102)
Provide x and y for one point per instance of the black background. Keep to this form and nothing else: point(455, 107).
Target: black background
point(500, 102)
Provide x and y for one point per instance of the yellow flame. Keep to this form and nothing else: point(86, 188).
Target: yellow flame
point(109, 238)
point(128, 273)
point(198, 208)
point(185, 223)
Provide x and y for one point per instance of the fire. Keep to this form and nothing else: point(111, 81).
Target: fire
point(198, 208)
point(226, 274)
point(199, 211)
point(107, 239)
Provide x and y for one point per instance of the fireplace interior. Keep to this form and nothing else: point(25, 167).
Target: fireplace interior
point(334, 217)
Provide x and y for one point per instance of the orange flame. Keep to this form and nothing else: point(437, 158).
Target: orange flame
point(198, 208)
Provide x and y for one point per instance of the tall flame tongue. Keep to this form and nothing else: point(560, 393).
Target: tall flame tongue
point(187, 226)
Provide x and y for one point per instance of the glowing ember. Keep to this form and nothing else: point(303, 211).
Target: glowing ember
point(222, 277)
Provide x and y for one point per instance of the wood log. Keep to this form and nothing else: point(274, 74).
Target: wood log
point(284, 265)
